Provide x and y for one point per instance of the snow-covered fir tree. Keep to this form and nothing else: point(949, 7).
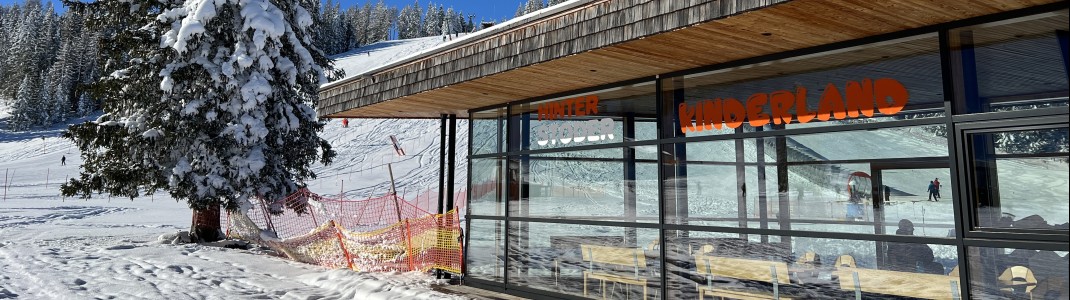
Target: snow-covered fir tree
point(533, 5)
point(453, 21)
point(26, 109)
point(52, 49)
point(208, 100)
point(86, 105)
point(433, 20)
point(21, 58)
point(359, 19)
point(410, 23)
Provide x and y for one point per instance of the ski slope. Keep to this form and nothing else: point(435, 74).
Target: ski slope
point(355, 62)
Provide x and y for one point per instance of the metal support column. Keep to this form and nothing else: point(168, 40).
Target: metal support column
point(451, 164)
point(441, 164)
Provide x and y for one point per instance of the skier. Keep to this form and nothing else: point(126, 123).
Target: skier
point(936, 183)
point(63, 160)
point(933, 192)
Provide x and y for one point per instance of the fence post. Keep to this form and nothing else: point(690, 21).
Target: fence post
point(460, 239)
point(342, 244)
point(408, 244)
point(267, 217)
point(48, 173)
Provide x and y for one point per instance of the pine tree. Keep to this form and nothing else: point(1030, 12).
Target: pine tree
point(86, 105)
point(24, 108)
point(69, 60)
point(451, 21)
point(360, 19)
point(533, 5)
point(409, 22)
point(208, 100)
point(6, 25)
point(471, 25)
point(22, 58)
point(45, 106)
point(433, 20)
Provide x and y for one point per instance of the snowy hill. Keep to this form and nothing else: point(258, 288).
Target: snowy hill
point(360, 60)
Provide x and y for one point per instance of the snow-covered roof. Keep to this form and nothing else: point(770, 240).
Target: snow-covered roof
point(407, 57)
point(361, 60)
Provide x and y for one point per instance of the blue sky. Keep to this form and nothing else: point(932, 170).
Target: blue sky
point(483, 9)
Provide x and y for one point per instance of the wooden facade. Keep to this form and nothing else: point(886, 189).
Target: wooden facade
point(599, 42)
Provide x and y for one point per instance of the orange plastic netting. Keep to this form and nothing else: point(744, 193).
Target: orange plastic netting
point(376, 234)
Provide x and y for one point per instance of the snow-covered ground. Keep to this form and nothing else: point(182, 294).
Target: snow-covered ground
point(108, 248)
point(357, 61)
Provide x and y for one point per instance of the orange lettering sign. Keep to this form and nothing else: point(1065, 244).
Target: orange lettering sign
point(578, 106)
point(859, 98)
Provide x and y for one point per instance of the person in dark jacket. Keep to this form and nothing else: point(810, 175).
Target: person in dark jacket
point(933, 192)
point(909, 257)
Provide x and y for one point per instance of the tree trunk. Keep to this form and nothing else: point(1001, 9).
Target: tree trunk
point(206, 225)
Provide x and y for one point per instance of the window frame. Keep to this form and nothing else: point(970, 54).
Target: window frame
point(968, 179)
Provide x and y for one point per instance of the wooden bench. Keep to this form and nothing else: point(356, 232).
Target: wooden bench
point(566, 249)
point(773, 272)
point(907, 284)
point(627, 258)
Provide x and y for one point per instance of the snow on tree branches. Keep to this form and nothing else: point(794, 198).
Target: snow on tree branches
point(210, 100)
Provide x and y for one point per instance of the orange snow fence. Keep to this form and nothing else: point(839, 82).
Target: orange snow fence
point(375, 234)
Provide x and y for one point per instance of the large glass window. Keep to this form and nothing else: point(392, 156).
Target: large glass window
point(853, 181)
point(488, 131)
point(765, 267)
point(881, 82)
point(485, 257)
point(585, 260)
point(604, 184)
point(822, 176)
point(1021, 177)
point(1015, 64)
point(487, 191)
point(615, 115)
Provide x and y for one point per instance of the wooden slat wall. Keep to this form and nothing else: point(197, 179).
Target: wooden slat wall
point(616, 40)
point(600, 24)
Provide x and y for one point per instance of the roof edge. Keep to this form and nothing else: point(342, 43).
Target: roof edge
point(468, 39)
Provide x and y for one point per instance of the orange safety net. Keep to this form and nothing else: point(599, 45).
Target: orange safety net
point(377, 234)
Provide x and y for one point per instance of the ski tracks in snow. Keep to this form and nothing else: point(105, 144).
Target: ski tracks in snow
point(15, 217)
point(61, 269)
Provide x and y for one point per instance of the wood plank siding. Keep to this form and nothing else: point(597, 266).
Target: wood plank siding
point(606, 41)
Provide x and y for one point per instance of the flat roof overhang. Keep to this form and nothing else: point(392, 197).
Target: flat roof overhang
point(594, 43)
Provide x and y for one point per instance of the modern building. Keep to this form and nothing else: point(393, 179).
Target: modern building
point(755, 149)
